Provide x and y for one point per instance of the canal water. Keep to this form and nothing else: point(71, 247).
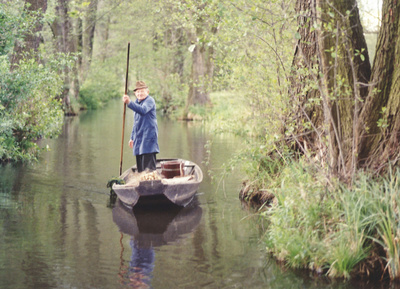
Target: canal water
point(58, 228)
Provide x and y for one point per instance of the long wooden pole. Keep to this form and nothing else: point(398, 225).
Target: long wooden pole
point(123, 117)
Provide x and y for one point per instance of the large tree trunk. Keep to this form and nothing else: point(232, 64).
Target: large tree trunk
point(76, 71)
point(201, 75)
point(179, 57)
point(202, 55)
point(88, 37)
point(326, 90)
point(62, 28)
point(198, 89)
point(105, 36)
point(31, 40)
point(380, 116)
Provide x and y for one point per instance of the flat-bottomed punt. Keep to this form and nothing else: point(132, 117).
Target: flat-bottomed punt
point(179, 184)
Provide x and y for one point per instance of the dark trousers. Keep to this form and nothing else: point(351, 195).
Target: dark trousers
point(146, 161)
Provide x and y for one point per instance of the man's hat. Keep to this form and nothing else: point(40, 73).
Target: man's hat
point(139, 85)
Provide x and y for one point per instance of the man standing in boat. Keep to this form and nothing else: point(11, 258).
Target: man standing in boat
point(144, 136)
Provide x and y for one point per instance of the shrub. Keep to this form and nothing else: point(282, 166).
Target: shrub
point(29, 109)
point(100, 86)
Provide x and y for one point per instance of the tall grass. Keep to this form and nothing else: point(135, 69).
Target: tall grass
point(299, 224)
point(348, 244)
point(321, 225)
point(388, 223)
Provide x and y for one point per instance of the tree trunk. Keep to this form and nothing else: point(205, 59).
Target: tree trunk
point(179, 57)
point(380, 117)
point(200, 77)
point(62, 27)
point(31, 40)
point(62, 30)
point(326, 90)
point(76, 39)
point(88, 37)
point(202, 55)
point(105, 35)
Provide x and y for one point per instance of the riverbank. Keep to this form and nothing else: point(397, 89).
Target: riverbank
point(311, 220)
point(317, 223)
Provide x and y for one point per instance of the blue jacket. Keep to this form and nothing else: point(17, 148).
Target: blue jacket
point(145, 129)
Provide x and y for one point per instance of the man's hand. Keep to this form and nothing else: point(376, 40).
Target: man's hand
point(131, 144)
point(126, 99)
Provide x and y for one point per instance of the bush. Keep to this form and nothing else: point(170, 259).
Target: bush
point(14, 23)
point(29, 109)
point(100, 86)
point(170, 94)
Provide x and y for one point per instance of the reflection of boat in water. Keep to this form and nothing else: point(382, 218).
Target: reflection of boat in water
point(153, 226)
point(150, 226)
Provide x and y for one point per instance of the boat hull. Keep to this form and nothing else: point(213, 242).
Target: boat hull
point(179, 190)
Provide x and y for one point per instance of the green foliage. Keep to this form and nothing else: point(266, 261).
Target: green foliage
point(111, 182)
point(387, 217)
point(100, 86)
point(297, 225)
point(170, 94)
point(383, 122)
point(346, 252)
point(14, 23)
point(318, 224)
point(160, 43)
point(227, 114)
point(157, 56)
point(30, 109)
point(349, 246)
point(257, 61)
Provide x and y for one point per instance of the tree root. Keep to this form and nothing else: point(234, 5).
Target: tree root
point(256, 198)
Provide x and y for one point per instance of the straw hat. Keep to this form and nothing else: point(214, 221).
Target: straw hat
point(139, 85)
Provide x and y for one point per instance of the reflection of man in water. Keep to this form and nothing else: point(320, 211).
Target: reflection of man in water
point(141, 266)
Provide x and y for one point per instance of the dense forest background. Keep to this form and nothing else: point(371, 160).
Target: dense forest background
point(73, 53)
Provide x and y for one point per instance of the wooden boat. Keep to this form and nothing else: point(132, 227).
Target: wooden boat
point(178, 185)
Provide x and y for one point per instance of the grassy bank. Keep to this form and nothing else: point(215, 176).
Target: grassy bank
point(315, 221)
point(334, 229)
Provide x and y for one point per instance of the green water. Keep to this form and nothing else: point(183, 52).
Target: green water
point(58, 229)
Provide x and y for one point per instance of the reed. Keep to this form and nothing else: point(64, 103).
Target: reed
point(348, 243)
point(388, 223)
point(346, 251)
point(333, 228)
point(300, 222)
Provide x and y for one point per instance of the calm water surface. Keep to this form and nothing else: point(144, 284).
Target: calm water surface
point(58, 229)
